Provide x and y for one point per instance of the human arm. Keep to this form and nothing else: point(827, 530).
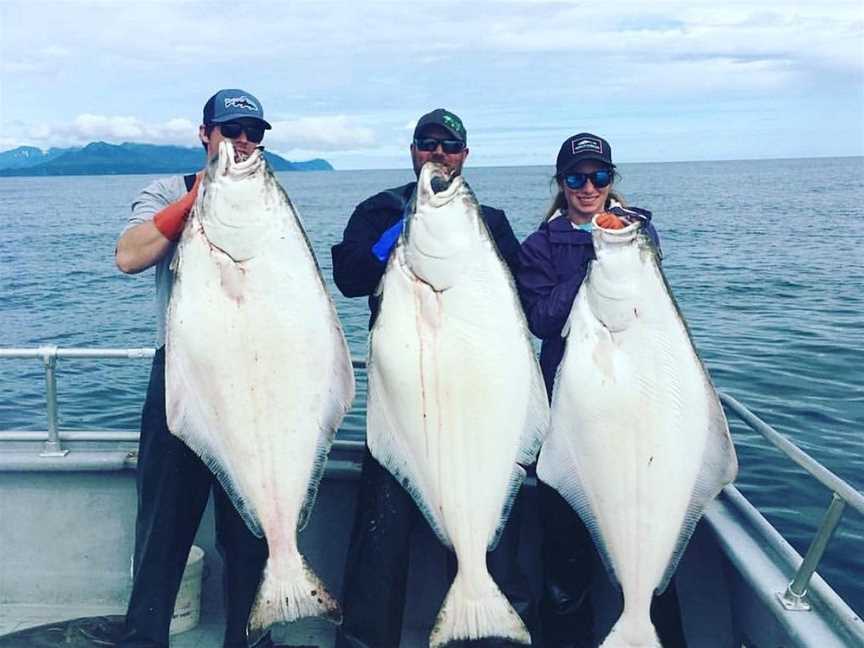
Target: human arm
point(160, 223)
point(359, 260)
point(387, 241)
point(546, 300)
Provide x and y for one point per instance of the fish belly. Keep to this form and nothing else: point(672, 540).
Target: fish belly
point(455, 401)
point(638, 442)
point(258, 377)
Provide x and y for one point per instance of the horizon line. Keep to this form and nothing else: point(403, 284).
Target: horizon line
point(702, 161)
point(478, 166)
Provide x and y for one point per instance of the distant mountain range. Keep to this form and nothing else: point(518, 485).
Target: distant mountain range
point(99, 158)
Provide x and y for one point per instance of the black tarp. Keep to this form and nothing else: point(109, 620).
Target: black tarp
point(86, 632)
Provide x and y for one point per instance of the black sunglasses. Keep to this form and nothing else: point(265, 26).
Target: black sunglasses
point(232, 130)
point(599, 178)
point(449, 146)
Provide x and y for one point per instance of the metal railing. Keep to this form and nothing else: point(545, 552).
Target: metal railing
point(794, 598)
point(795, 595)
point(52, 446)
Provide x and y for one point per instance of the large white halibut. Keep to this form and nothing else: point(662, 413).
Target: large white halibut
point(638, 443)
point(456, 398)
point(258, 374)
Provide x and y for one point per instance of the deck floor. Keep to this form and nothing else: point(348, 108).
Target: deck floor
point(208, 633)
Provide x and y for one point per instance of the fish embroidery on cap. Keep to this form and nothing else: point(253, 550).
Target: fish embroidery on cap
point(241, 102)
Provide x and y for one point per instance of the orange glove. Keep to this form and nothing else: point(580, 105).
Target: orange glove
point(171, 220)
point(607, 220)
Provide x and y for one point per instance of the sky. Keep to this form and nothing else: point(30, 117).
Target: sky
point(662, 80)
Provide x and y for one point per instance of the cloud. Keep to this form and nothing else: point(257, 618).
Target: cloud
point(327, 133)
point(87, 128)
point(316, 134)
point(347, 85)
point(31, 61)
point(687, 31)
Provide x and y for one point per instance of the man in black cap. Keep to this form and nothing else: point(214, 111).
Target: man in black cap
point(376, 570)
point(173, 483)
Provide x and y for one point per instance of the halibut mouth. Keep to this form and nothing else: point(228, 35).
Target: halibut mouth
point(438, 182)
point(239, 156)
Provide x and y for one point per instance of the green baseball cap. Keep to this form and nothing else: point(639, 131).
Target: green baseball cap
point(446, 120)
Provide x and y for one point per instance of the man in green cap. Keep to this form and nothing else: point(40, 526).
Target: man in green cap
point(376, 570)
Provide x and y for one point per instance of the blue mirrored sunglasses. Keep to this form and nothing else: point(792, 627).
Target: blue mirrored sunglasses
point(599, 178)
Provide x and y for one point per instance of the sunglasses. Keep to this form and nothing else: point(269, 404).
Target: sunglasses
point(449, 146)
point(232, 130)
point(599, 178)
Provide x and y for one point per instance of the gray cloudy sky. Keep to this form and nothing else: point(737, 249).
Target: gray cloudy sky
point(662, 80)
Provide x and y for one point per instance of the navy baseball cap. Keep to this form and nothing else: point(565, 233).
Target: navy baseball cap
point(446, 120)
point(230, 104)
point(582, 146)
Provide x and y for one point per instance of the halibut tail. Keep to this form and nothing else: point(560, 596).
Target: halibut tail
point(630, 632)
point(288, 594)
point(467, 616)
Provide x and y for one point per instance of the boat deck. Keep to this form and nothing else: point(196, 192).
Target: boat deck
point(207, 634)
point(67, 528)
point(94, 512)
point(727, 580)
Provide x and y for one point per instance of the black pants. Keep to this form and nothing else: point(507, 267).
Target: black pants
point(376, 571)
point(569, 556)
point(173, 488)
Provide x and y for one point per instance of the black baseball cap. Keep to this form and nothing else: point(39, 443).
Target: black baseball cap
point(230, 104)
point(582, 146)
point(446, 120)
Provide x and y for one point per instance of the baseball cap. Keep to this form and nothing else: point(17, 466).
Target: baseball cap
point(446, 120)
point(230, 104)
point(582, 146)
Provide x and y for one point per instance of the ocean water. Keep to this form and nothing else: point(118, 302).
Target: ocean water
point(763, 257)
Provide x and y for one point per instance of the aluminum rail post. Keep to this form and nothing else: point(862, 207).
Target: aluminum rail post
point(52, 447)
point(795, 596)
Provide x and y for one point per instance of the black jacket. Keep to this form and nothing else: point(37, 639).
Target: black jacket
point(357, 271)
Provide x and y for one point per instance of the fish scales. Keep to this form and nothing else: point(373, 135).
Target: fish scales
point(456, 398)
point(258, 373)
point(638, 443)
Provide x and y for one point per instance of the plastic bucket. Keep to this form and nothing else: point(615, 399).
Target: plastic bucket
point(187, 609)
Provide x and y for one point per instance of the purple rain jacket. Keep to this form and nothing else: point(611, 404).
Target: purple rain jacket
point(553, 263)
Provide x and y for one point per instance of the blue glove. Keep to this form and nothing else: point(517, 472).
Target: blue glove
point(384, 245)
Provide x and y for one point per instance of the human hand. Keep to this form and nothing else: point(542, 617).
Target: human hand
point(383, 246)
point(608, 220)
point(171, 220)
point(194, 190)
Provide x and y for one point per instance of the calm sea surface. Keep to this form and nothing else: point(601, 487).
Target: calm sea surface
point(764, 258)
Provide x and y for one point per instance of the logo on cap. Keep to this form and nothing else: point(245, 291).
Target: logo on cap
point(453, 123)
point(240, 102)
point(586, 144)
